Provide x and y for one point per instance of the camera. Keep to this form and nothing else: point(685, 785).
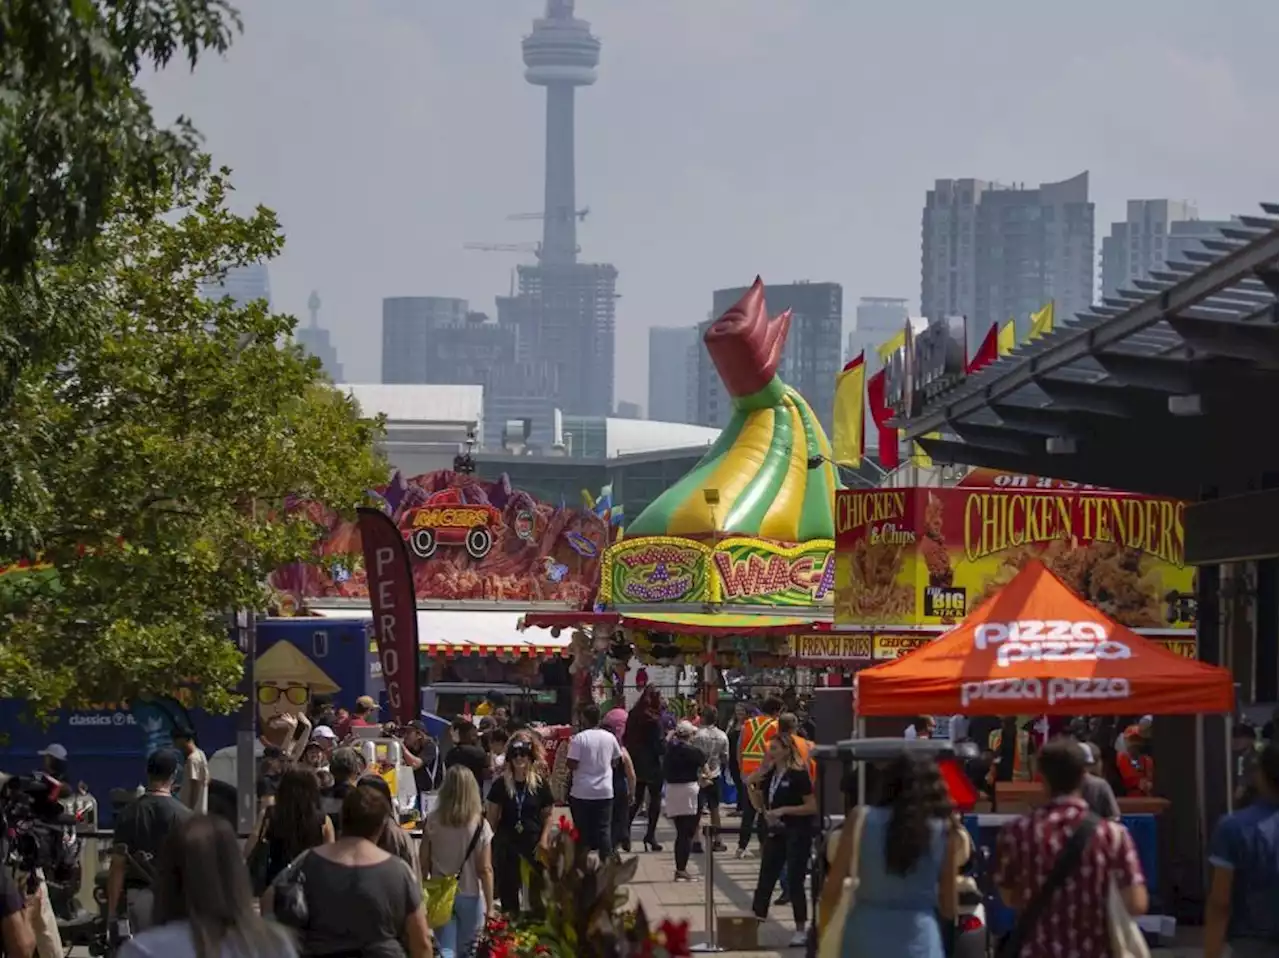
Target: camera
point(36, 831)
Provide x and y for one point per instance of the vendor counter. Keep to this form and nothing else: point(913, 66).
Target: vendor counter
point(1020, 797)
point(985, 828)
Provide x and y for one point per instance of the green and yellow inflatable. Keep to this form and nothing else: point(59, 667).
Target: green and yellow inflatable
point(771, 466)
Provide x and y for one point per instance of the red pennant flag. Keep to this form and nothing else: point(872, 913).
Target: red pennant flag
point(395, 611)
point(881, 414)
point(988, 352)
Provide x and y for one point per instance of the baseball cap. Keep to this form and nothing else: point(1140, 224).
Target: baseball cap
point(366, 702)
point(1086, 752)
point(54, 751)
point(324, 732)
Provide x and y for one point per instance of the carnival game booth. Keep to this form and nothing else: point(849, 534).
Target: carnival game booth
point(1035, 647)
point(737, 555)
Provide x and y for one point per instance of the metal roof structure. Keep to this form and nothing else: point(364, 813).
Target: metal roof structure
point(1169, 389)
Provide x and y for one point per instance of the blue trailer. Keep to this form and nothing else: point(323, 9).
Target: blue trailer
point(107, 745)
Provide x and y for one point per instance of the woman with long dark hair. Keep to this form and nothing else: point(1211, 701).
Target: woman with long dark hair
point(645, 743)
point(361, 900)
point(908, 856)
point(295, 823)
point(204, 907)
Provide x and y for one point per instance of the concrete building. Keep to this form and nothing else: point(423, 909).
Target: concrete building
point(670, 351)
point(642, 459)
point(810, 358)
point(563, 317)
point(470, 352)
point(315, 340)
point(243, 284)
point(1154, 232)
point(525, 390)
point(948, 261)
point(408, 328)
point(877, 319)
point(426, 424)
point(563, 313)
point(991, 252)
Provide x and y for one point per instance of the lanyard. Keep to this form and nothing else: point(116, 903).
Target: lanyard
point(521, 793)
point(435, 770)
point(774, 783)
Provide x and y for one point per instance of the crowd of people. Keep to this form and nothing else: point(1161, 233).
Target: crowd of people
point(328, 832)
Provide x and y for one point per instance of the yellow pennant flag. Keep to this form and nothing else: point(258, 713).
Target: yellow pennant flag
point(888, 348)
point(847, 420)
point(919, 457)
point(1041, 321)
point(1007, 338)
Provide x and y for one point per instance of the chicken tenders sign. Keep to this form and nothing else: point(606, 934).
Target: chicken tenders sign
point(395, 613)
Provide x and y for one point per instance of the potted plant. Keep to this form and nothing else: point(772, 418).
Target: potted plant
point(584, 913)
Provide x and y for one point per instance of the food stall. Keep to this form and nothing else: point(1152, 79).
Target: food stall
point(1036, 647)
point(737, 556)
point(913, 561)
point(482, 554)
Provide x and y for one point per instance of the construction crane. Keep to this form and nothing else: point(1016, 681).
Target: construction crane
point(580, 214)
point(534, 248)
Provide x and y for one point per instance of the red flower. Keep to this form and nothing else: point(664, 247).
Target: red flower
point(565, 824)
point(675, 936)
point(573, 834)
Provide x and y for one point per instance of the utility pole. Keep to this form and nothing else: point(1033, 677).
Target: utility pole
point(247, 727)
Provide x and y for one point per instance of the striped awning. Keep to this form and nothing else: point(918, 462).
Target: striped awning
point(717, 623)
point(451, 633)
point(694, 623)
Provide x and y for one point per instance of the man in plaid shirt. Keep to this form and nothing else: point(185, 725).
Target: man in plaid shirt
point(1074, 922)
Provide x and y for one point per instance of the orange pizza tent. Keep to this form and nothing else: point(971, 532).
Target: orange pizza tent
point(1037, 647)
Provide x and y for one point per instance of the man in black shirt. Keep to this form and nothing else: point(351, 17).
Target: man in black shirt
point(467, 752)
point(141, 829)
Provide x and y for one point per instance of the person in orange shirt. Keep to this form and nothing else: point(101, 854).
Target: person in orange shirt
point(1137, 771)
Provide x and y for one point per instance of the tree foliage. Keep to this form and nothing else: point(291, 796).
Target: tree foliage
point(155, 457)
point(75, 129)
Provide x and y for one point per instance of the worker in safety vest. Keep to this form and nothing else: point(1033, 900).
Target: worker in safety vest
point(994, 741)
point(757, 732)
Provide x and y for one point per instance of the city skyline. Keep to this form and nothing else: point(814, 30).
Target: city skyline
point(677, 200)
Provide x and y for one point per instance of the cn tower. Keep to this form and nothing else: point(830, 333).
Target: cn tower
point(560, 54)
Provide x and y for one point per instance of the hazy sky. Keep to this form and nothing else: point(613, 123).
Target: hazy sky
point(724, 138)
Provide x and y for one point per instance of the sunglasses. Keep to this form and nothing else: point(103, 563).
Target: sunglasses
point(294, 694)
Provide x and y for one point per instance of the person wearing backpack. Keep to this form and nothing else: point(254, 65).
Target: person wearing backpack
point(457, 864)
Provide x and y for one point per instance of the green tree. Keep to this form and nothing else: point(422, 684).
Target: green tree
point(156, 457)
point(75, 128)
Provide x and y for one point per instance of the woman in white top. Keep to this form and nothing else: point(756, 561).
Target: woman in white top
point(449, 833)
point(204, 908)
